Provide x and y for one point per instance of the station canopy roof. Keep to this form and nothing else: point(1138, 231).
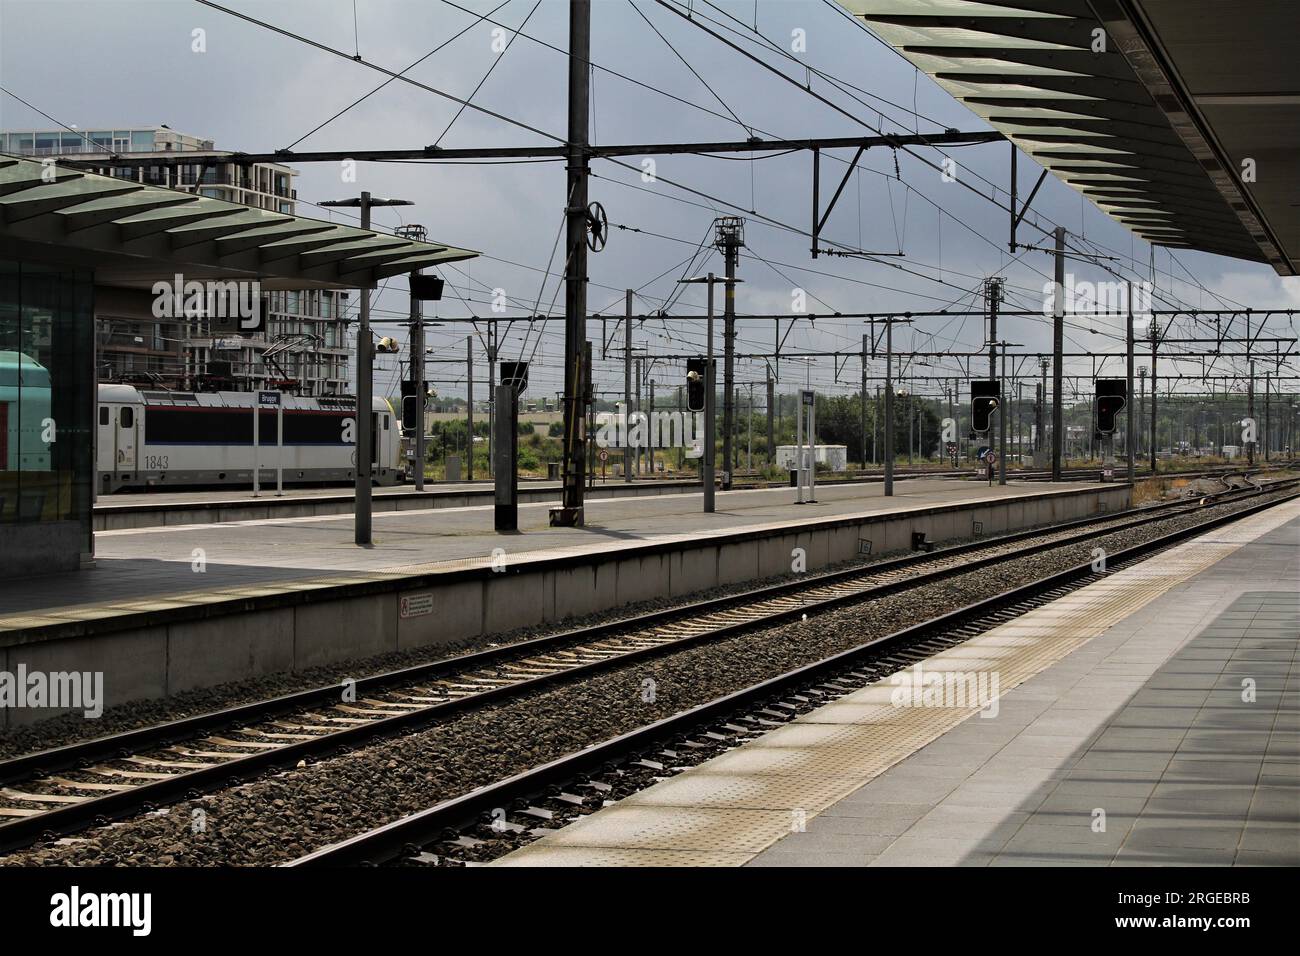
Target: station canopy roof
point(1155, 126)
point(134, 234)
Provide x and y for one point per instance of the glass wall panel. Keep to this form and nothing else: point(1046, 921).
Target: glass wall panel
point(46, 396)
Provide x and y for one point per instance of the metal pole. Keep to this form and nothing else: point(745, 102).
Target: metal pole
point(991, 290)
point(1142, 406)
point(911, 419)
point(799, 450)
point(571, 512)
point(1268, 416)
point(863, 393)
point(279, 448)
point(650, 445)
point(469, 408)
point(365, 429)
point(257, 444)
point(1058, 361)
point(627, 387)
point(729, 362)
point(706, 460)
point(640, 465)
point(1129, 437)
point(589, 416)
point(771, 421)
point(417, 382)
point(952, 416)
point(889, 407)
point(1020, 424)
point(1042, 408)
point(812, 451)
point(749, 416)
point(1250, 413)
point(875, 429)
point(365, 391)
point(681, 452)
point(1155, 332)
point(1003, 392)
point(492, 396)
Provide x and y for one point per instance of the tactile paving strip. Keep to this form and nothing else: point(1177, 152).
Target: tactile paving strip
point(642, 856)
point(717, 813)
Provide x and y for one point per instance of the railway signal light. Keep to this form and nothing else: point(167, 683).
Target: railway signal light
point(696, 380)
point(426, 288)
point(412, 403)
point(1112, 396)
point(515, 374)
point(985, 396)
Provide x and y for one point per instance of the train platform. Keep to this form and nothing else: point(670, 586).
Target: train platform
point(1152, 718)
point(130, 510)
point(162, 560)
point(199, 604)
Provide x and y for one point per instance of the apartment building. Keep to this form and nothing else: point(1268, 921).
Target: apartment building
point(304, 346)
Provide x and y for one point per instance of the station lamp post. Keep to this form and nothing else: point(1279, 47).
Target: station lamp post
point(365, 379)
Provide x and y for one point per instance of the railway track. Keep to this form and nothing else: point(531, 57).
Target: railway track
point(60, 791)
point(492, 820)
point(974, 471)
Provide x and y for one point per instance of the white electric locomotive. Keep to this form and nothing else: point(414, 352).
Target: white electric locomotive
point(166, 439)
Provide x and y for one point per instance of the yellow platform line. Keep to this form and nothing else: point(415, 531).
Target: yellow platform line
point(727, 810)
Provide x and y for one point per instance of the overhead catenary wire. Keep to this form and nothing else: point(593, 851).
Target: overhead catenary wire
point(392, 79)
point(547, 271)
point(490, 69)
point(375, 66)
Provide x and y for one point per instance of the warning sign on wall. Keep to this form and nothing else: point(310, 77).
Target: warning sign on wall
point(416, 605)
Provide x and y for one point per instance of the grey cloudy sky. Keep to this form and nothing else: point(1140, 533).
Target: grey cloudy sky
point(131, 62)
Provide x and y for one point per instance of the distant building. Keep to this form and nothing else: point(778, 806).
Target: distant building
point(307, 343)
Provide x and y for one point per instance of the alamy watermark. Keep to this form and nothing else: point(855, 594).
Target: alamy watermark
point(234, 299)
point(623, 429)
point(75, 908)
point(917, 687)
point(1083, 296)
point(64, 690)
